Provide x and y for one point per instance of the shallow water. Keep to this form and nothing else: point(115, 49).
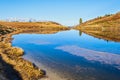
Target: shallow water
point(71, 56)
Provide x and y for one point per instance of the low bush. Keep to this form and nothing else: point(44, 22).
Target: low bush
point(14, 51)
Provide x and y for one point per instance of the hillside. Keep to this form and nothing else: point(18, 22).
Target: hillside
point(34, 25)
point(106, 27)
point(112, 20)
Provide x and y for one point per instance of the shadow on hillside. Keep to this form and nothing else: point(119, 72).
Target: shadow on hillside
point(7, 72)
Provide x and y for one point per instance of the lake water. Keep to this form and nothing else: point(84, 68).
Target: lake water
point(70, 55)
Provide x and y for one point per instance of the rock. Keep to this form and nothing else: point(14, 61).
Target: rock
point(43, 72)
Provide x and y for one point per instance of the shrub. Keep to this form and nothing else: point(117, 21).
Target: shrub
point(108, 15)
point(14, 51)
point(5, 45)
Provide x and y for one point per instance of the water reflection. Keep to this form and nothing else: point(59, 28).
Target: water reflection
point(102, 57)
point(106, 33)
point(41, 31)
point(80, 33)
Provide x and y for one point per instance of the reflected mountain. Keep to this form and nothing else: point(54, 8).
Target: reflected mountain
point(106, 33)
point(41, 31)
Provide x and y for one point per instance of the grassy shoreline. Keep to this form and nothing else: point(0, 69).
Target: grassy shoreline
point(13, 55)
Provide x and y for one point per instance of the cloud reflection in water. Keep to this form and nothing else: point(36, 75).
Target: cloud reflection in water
point(102, 57)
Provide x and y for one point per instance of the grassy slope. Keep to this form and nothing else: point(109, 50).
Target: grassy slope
point(106, 27)
point(105, 21)
point(34, 25)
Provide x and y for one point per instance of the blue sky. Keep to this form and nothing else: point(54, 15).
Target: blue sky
point(66, 12)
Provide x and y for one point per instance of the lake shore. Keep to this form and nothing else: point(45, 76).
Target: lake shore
point(13, 56)
point(25, 70)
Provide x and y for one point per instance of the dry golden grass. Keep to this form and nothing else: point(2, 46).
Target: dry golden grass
point(32, 24)
point(5, 30)
point(12, 56)
point(33, 27)
point(14, 51)
point(105, 21)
